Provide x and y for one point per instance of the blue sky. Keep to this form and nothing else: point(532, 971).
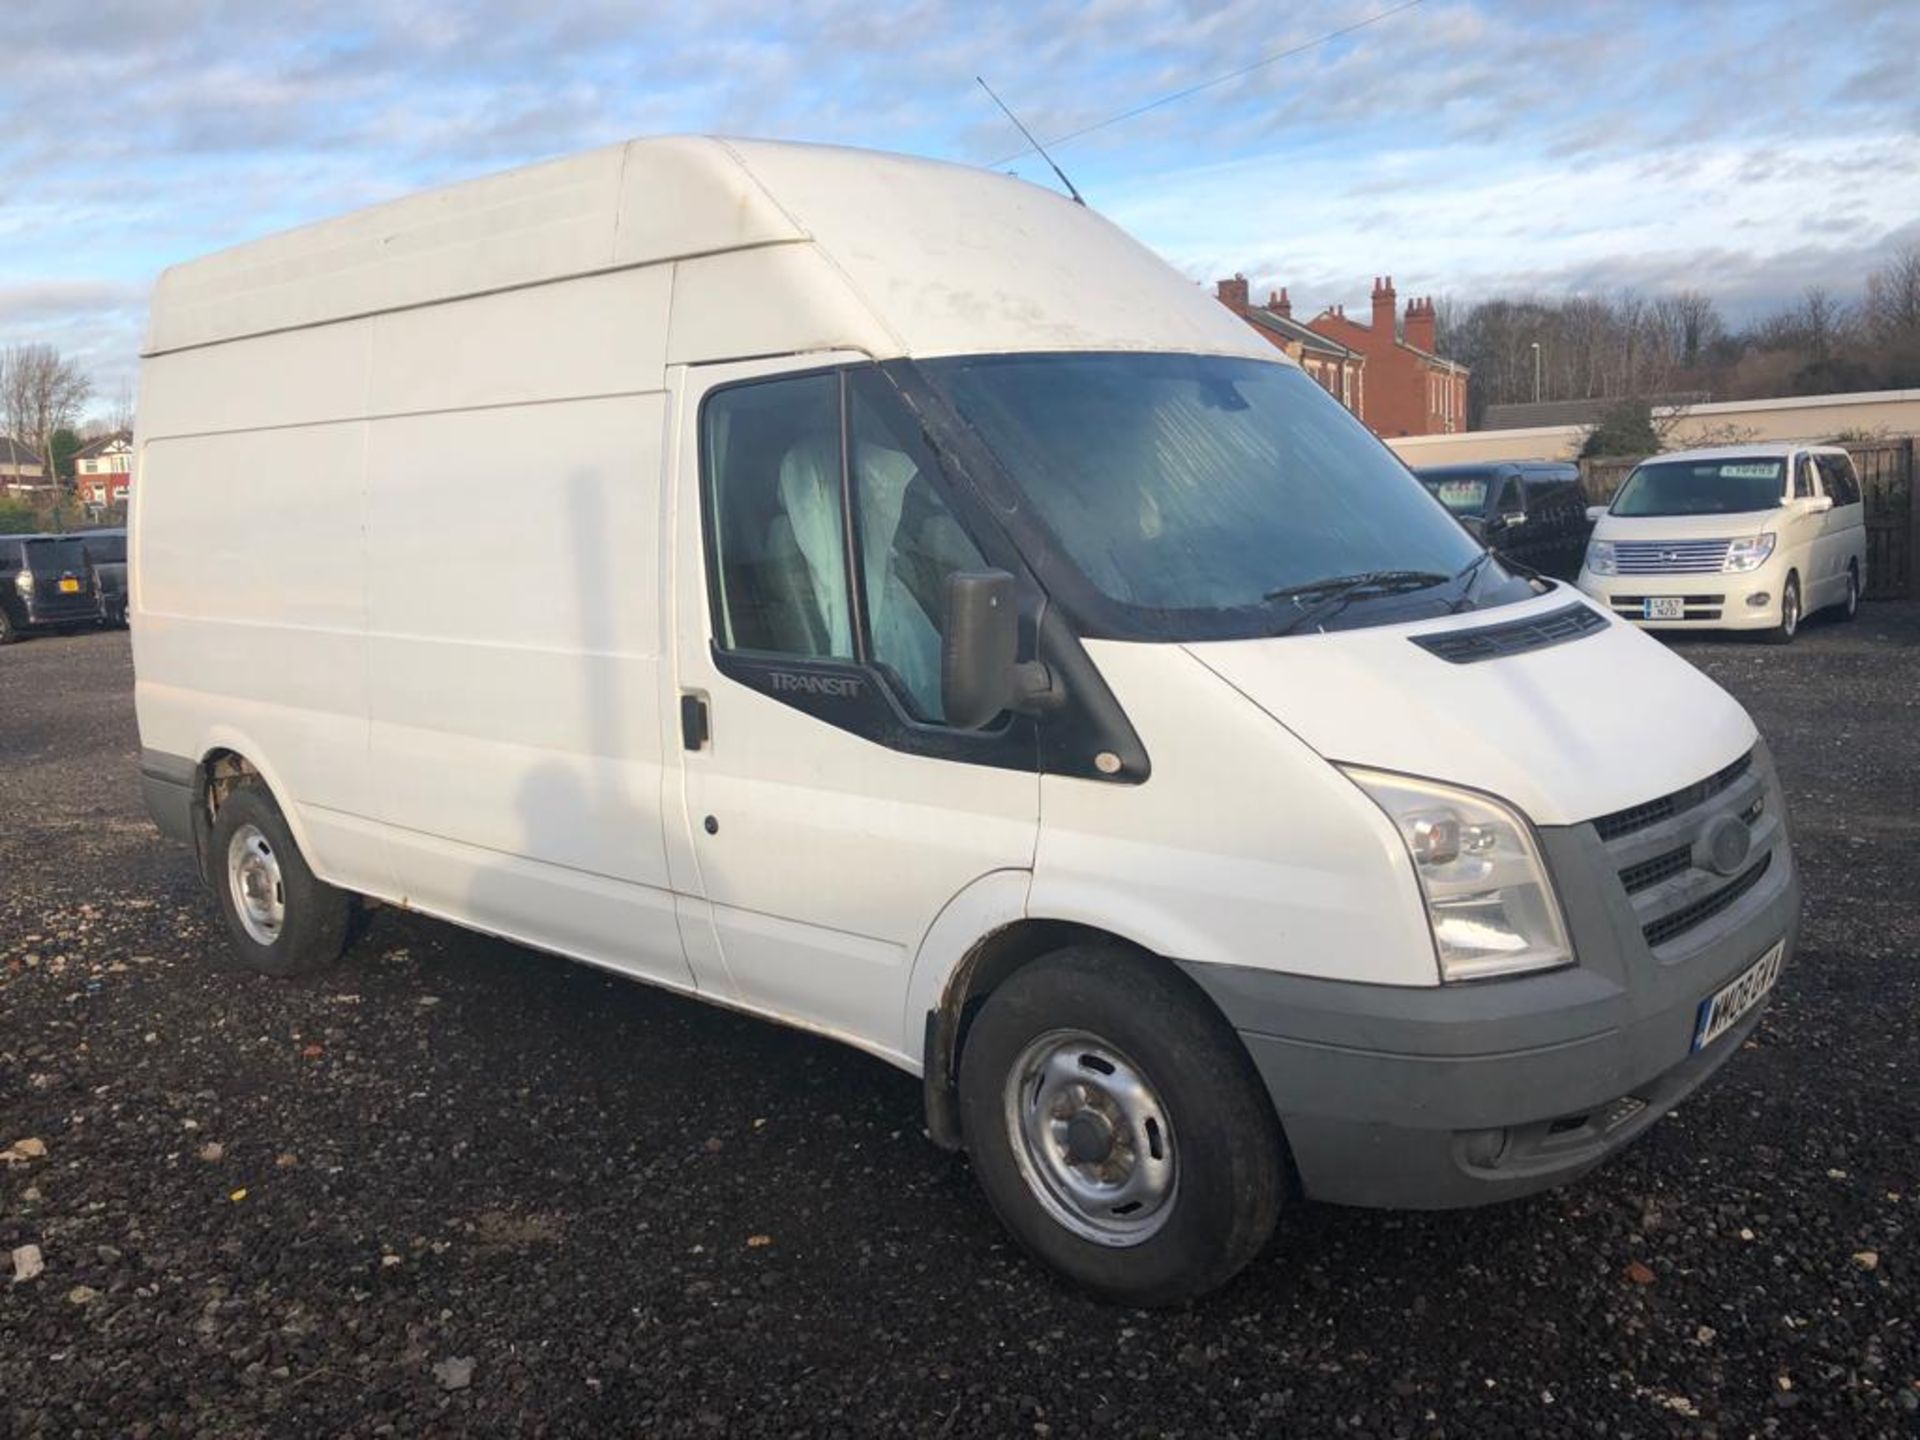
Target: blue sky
point(1465, 146)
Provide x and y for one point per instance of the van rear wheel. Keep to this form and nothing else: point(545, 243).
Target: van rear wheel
point(281, 919)
point(1119, 1128)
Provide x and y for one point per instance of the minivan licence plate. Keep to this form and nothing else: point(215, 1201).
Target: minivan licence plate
point(1663, 607)
point(1720, 1010)
point(69, 587)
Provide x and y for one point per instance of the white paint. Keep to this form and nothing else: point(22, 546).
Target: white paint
point(418, 532)
point(1819, 550)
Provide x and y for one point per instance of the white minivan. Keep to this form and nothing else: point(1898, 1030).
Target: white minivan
point(881, 596)
point(1736, 537)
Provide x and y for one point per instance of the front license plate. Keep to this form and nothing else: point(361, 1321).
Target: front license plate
point(1720, 1011)
point(69, 587)
point(1663, 607)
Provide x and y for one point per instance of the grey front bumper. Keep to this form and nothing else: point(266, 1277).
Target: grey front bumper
point(1463, 1094)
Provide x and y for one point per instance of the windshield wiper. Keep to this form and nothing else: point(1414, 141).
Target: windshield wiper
point(1464, 578)
point(1336, 590)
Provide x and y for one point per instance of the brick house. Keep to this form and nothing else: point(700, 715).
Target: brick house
point(1338, 370)
point(1411, 389)
point(103, 469)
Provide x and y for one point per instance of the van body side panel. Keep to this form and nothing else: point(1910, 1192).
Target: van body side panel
point(515, 664)
point(249, 553)
point(1243, 847)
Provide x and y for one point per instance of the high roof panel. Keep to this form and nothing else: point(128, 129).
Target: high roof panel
point(908, 256)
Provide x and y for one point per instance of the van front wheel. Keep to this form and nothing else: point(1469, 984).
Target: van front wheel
point(1789, 626)
point(281, 920)
point(1119, 1128)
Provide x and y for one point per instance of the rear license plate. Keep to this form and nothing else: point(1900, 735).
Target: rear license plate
point(1720, 1011)
point(69, 587)
point(1663, 607)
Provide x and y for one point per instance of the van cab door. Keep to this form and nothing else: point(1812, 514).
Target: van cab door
point(1802, 534)
point(1842, 534)
point(827, 812)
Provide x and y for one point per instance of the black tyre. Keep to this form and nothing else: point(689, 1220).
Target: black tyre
point(1850, 607)
point(1790, 615)
point(1119, 1128)
point(9, 632)
point(281, 920)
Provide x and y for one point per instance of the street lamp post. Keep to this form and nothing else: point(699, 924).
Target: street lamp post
point(1536, 372)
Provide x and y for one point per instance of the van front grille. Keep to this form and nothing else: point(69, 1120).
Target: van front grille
point(1649, 873)
point(1652, 812)
point(1678, 922)
point(1670, 557)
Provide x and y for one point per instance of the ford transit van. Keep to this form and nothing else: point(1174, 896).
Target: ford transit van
point(1740, 537)
point(937, 624)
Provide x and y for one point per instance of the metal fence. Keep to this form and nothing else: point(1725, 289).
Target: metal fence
point(1893, 521)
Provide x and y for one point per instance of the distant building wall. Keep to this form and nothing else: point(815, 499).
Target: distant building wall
point(1798, 417)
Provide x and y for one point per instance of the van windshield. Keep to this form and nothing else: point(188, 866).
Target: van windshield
point(1702, 487)
point(52, 556)
point(1193, 493)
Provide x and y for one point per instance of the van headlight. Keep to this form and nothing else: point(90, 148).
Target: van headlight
point(1600, 557)
point(1489, 901)
point(1749, 554)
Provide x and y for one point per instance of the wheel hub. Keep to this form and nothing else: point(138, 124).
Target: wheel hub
point(1092, 1137)
point(1089, 1137)
point(253, 876)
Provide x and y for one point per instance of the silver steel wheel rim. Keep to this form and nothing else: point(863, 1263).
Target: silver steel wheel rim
point(1853, 592)
point(1790, 609)
point(253, 875)
point(1093, 1139)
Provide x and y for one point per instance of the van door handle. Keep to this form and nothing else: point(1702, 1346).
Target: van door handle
point(694, 730)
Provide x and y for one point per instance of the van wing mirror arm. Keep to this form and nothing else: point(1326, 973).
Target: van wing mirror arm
point(980, 678)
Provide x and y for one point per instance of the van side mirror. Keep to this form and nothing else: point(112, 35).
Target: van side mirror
point(1595, 514)
point(1818, 504)
point(980, 678)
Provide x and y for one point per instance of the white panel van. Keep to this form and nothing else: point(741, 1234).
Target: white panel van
point(1735, 537)
point(881, 596)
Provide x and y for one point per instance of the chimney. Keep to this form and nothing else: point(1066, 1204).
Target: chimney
point(1233, 293)
point(1280, 304)
point(1420, 324)
point(1383, 306)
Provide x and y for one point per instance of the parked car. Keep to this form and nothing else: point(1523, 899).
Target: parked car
point(46, 583)
point(1532, 512)
point(107, 548)
point(1735, 537)
point(1031, 678)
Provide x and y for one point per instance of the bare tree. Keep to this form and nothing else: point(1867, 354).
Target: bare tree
point(1687, 324)
point(40, 392)
point(1893, 299)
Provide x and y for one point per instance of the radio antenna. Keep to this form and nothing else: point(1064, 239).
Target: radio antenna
point(1033, 142)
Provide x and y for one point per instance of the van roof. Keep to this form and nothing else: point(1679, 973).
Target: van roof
point(1768, 450)
point(895, 255)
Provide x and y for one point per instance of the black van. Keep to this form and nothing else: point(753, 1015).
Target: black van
point(107, 548)
point(46, 581)
point(1530, 511)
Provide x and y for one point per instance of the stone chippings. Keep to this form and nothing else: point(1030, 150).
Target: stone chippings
point(454, 1187)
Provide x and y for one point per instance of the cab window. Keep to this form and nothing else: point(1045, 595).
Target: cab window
point(781, 490)
point(772, 456)
point(909, 542)
point(1803, 485)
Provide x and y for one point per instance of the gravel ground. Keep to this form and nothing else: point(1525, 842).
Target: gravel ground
point(455, 1187)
